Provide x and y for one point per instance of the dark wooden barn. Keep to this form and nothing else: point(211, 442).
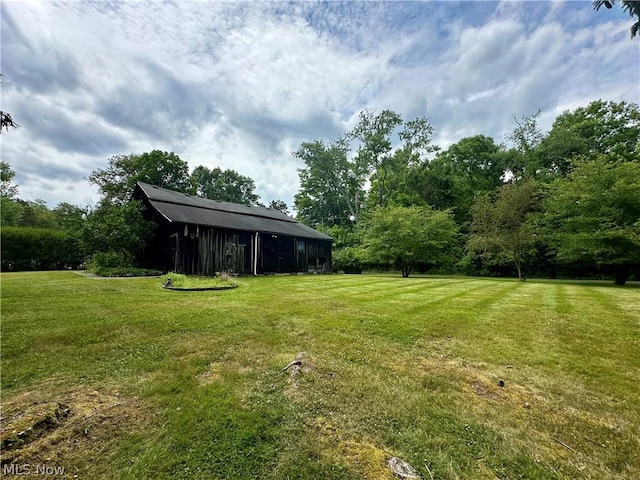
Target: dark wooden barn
point(200, 236)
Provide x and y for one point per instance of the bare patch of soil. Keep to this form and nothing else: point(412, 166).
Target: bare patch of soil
point(71, 429)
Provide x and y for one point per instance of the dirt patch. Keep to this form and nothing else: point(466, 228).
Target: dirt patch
point(360, 454)
point(484, 390)
point(69, 430)
point(22, 425)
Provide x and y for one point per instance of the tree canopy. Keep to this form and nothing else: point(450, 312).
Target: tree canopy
point(331, 185)
point(162, 169)
point(557, 203)
point(629, 6)
point(364, 168)
point(224, 185)
point(6, 121)
point(404, 237)
point(594, 214)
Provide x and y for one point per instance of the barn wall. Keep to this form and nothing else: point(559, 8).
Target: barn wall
point(197, 250)
point(206, 250)
point(193, 249)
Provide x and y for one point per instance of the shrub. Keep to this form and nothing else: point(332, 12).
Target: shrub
point(347, 259)
point(108, 260)
point(27, 248)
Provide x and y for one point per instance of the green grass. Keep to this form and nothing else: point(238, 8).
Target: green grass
point(169, 385)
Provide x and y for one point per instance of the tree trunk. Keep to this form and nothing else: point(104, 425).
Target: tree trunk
point(517, 261)
point(406, 270)
point(620, 274)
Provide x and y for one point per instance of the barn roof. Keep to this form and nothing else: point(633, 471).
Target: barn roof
point(181, 208)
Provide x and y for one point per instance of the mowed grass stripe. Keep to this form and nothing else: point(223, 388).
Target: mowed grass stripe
point(392, 366)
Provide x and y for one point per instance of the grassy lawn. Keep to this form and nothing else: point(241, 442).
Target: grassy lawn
point(119, 378)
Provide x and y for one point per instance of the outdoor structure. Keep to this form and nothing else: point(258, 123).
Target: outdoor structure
point(200, 236)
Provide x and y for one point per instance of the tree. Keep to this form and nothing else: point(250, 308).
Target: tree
point(7, 189)
point(404, 237)
point(117, 224)
point(594, 215)
point(521, 161)
point(374, 153)
point(631, 7)
point(279, 205)
point(500, 227)
point(6, 121)
point(331, 186)
point(599, 128)
point(117, 227)
point(224, 185)
point(36, 214)
point(466, 169)
point(69, 217)
point(376, 157)
point(158, 168)
point(10, 212)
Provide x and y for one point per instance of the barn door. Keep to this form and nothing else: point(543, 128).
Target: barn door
point(301, 256)
point(172, 260)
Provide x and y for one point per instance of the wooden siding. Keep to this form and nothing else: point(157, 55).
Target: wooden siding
point(192, 249)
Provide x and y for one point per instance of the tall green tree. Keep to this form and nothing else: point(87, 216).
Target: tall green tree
point(162, 169)
point(599, 128)
point(7, 175)
point(331, 186)
point(119, 228)
point(501, 228)
point(36, 214)
point(384, 159)
point(69, 217)
point(466, 169)
point(117, 223)
point(593, 215)
point(224, 185)
point(10, 209)
point(374, 155)
point(522, 159)
point(404, 237)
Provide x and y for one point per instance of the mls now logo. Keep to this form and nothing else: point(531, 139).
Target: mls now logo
point(28, 469)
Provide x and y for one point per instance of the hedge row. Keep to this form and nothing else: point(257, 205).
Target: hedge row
point(25, 248)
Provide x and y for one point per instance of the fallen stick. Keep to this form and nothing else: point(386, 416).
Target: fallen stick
point(291, 364)
point(565, 445)
point(297, 361)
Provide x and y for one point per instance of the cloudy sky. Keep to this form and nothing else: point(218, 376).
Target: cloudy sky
point(241, 84)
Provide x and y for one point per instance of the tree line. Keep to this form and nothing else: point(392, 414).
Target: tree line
point(565, 203)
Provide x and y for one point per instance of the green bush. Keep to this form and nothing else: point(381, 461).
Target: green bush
point(348, 260)
point(108, 260)
point(27, 248)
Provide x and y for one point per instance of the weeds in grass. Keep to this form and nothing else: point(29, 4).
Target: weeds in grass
point(180, 280)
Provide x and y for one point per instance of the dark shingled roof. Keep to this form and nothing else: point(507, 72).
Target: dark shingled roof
point(180, 208)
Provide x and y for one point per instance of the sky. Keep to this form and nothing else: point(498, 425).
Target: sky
point(240, 85)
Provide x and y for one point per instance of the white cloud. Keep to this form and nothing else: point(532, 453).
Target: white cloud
point(241, 85)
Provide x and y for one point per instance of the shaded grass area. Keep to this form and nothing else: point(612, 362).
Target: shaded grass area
point(407, 367)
